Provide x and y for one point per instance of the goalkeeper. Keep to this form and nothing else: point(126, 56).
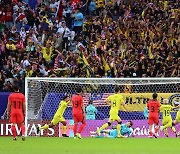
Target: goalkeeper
point(113, 133)
point(58, 117)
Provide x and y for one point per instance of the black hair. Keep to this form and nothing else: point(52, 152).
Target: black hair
point(16, 88)
point(66, 96)
point(78, 89)
point(155, 95)
point(131, 123)
point(117, 89)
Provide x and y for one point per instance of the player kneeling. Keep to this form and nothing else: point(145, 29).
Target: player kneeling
point(58, 117)
point(113, 133)
point(167, 119)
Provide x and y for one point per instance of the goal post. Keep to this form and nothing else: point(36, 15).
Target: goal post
point(44, 94)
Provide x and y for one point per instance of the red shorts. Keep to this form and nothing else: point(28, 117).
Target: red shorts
point(78, 118)
point(17, 117)
point(153, 120)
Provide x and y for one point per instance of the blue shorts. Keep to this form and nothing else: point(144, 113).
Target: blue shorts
point(113, 133)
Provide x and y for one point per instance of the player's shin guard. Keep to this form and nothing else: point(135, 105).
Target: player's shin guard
point(64, 129)
point(81, 127)
point(13, 131)
point(75, 128)
point(44, 127)
point(23, 129)
point(103, 127)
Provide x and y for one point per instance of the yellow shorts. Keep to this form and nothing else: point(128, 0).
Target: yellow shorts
point(57, 119)
point(167, 121)
point(114, 117)
point(178, 116)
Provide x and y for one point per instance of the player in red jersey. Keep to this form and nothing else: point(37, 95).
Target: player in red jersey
point(154, 108)
point(78, 112)
point(16, 109)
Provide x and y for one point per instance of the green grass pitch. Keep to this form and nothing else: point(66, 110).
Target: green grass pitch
point(54, 145)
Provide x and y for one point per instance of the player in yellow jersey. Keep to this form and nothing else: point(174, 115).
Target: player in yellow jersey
point(115, 101)
point(58, 117)
point(177, 120)
point(167, 119)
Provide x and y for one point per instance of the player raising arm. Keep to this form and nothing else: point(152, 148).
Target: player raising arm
point(78, 112)
point(153, 107)
point(115, 101)
point(58, 117)
point(167, 119)
point(16, 109)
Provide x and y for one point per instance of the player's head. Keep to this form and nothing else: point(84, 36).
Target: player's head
point(117, 89)
point(16, 88)
point(155, 95)
point(66, 98)
point(79, 90)
point(129, 124)
point(165, 101)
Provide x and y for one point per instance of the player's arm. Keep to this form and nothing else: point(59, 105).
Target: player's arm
point(176, 107)
point(123, 104)
point(8, 108)
point(82, 106)
point(67, 103)
point(24, 108)
point(108, 102)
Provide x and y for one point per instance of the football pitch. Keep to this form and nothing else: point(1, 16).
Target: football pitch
point(54, 145)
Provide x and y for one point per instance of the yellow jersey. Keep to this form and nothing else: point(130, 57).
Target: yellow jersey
point(62, 107)
point(166, 110)
point(47, 53)
point(116, 100)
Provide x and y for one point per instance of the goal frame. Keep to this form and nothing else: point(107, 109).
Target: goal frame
point(83, 79)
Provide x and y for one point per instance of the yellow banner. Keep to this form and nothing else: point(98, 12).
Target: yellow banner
point(138, 101)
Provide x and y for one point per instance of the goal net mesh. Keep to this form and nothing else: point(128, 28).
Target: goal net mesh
point(44, 95)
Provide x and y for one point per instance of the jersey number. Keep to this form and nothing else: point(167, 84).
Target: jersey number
point(17, 105)
point(75, 104)
point(152, 108)
point(114, 104)
point(167, 112)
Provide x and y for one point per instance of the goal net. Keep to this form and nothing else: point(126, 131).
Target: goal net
point(44, 95)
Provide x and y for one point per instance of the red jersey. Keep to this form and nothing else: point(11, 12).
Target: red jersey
point(9, 16)
point(153, 107)
point(77, 101)
point(16, 100)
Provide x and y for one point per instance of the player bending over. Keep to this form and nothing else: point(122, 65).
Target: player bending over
point(153, 107)
point(113, 133)
point(58, 117)
point(16, 109)
point(78, 112)
point(167, 119)
point(115, 101)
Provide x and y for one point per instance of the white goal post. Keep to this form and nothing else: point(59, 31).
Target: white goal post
point(44, 94)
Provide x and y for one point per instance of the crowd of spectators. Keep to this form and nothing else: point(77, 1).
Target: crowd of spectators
point(88, 38)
